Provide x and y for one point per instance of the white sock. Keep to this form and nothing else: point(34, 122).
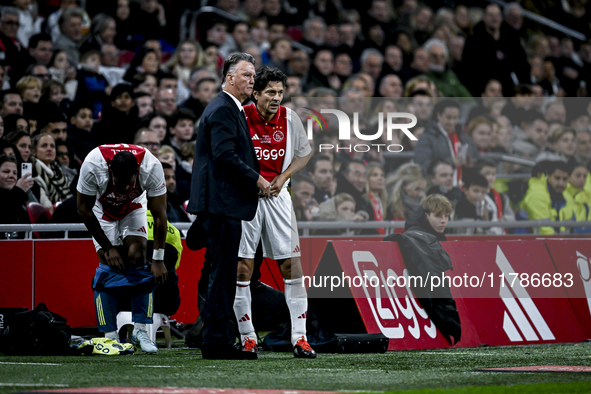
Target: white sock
point(297, 302)
point(243, 311)
point(112, 335)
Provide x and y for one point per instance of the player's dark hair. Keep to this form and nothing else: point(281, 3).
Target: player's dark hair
point(266, 75)
point(124, 165)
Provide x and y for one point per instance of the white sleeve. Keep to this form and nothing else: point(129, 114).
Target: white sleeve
point(153, 174)
point(301, 145)
point(87, 182)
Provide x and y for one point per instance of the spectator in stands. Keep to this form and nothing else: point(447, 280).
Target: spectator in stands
point(536, 136)
point(40, 49)
point(13, 194)
point(165, 102)
point(498, 204)
point(421, 105)
point(188, 56)
point(583, 144)
point(146, 83)
point(79, 137)
point(442, 140)
point(406, 190)
point(495, 50)
point(480, 129)
point(442, 178)
point(184, 170)
point(581, 198)
point(561, 145)
point(280, 52)
point(22, 141)
point(390, 86)
point(145, 61)
point(321, 171)
point(12, 103)
point(119, 120)
point(70, 23)
point(420, 62)
point(176, 212)
point(313, 33)
point(555, 112)
point(66, 160)
point(148, 19)
point(376, 196)
point(30, 89)
point(144, 103)
point(202, 92)
point(13, 52)
point(17, 122)
point(156, 122)
point(340, 208)
point(181, 129)
point(148, 139)
point(61, 70)
point(445, 79)
point(371, 62)
point(351, 179)
point(53, 25)
point(320, 74)
point(167, 155)
point(472, 205)
point(92, 86)
point(302, 192)
point(52, 182)
point(545, 197)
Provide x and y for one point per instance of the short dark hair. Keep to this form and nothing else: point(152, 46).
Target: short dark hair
point(300, 178)
point(471, 177)
point(311, 166)
point(164, 75)
point(437, 163)
point(347, 163)
point(180, 114)
point(7, 159)
point(443, 105)
point(484, 162)
point(266, 75)
point(232, 61)
point(37, 38)
point(6, 92)
point(166, 166)
point(555, 165)
point(119, 89)
point(78, 105)
point(124, 165)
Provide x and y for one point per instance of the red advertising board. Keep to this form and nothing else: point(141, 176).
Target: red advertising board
point(509, 306)
point(574, 257)
point(391, 310)
point(16, 281)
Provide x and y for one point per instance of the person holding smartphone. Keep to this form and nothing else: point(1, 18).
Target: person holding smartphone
point(13, 194)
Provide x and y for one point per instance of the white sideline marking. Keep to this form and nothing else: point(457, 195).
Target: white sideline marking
point(34, 384)
point(153, 366)
point(29, 363)
point(453, 354)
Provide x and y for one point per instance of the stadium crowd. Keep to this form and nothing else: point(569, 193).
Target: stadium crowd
point(75, 75)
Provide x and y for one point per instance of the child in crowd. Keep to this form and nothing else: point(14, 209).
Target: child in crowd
point(472, 205)
point(575, 189)
point(92, 86)
point(497, 203)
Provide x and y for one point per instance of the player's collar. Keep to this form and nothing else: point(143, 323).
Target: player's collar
point(274, 119)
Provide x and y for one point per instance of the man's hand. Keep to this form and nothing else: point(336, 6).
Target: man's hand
point(26, 182)
point(113, 259)
point(264, 186)
point(159, 271)
point(277, 185)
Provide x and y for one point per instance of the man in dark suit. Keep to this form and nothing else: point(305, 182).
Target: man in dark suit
point(225, 188)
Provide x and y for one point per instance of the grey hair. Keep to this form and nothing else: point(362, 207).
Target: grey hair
point(509, 6)
point(9, 11)
point(436, 42)
point(313, 19)
point(100, 22)
point(368, 52)
point(232, 62)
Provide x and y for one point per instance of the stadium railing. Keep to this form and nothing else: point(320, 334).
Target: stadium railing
point(307, 227)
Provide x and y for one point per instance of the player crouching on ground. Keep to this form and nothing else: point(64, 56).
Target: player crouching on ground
point(112, 189)
point(282, 149)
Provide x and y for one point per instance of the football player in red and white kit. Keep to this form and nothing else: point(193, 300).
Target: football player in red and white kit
point(116, 184)
point(282, 149)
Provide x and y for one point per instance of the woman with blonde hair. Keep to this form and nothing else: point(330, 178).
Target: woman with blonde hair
point(376, 195)
point(54, 185)
point(187, 56)
point(406, 189)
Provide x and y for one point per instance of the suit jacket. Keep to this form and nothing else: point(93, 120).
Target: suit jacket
point(225, 168)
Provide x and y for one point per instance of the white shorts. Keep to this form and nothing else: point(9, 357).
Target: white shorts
point(275, 223)
point(135, 223)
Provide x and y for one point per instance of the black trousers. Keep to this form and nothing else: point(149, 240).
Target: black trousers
point(221, 256)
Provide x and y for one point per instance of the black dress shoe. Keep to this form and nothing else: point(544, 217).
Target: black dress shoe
point(226, 352)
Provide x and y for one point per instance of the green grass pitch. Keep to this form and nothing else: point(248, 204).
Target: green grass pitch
point(428, 371)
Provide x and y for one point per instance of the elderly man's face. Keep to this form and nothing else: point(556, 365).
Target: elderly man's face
point(10, 25)
point(72, 28)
